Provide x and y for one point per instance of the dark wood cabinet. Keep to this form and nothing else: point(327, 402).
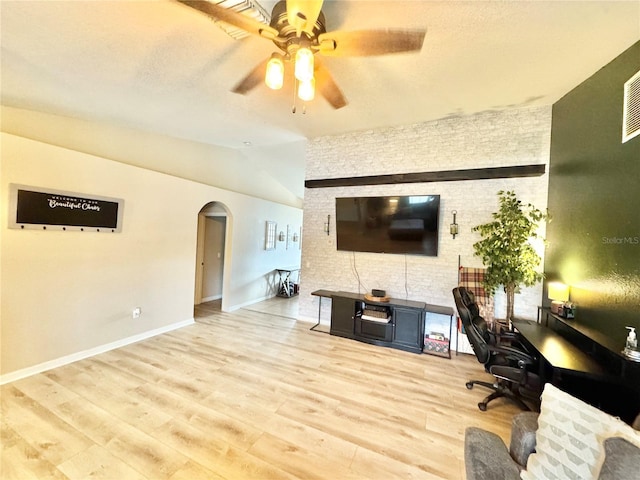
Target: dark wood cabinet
point(409, 328)
point(401, 325)
point(342, 316)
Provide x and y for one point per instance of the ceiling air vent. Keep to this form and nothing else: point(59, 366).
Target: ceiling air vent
point(250, 8)
point(631, 111)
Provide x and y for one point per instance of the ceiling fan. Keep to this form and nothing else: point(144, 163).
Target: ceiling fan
point(298, 29)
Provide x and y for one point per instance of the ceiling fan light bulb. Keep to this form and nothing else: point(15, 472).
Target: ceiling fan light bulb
point(307, 90)
point(274, 78)
point(304, 64)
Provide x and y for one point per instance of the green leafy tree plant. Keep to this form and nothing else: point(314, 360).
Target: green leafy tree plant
point(506, 249)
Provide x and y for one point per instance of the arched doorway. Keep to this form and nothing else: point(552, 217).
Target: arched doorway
point(213, 225)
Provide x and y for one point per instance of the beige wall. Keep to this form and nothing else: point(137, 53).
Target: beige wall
point(267, 173)
point(490, 139)
point(65, 294)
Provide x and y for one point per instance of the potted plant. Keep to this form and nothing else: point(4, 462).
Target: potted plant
point(506, 249)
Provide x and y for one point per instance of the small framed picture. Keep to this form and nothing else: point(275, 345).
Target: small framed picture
point(270, 236)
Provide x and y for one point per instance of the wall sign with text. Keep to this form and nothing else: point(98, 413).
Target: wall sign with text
point(43, 209)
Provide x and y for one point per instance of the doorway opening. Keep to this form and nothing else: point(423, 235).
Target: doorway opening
point(213, 225)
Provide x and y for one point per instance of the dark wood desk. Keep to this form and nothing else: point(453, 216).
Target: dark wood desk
point(585, 366)
point(597, 344)
point(559, 356)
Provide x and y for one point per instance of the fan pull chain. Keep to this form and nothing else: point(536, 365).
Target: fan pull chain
point(295, 89)
point(304, 105)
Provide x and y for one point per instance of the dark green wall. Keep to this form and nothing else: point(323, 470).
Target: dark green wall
point(594, 201)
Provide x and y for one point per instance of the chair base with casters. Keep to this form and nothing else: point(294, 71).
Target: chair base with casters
point(509, 388)
point(497, 392)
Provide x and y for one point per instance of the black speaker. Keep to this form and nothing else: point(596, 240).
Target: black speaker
point(378, 293)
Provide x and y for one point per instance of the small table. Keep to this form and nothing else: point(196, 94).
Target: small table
point(285, 285)
point(448, 311)
point(321, 293)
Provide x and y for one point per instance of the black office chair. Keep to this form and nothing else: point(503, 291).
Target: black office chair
point(502, 355)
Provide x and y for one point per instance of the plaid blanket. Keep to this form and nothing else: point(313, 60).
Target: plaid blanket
point(472, 279)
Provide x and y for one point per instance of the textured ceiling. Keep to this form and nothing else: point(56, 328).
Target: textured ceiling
point(162, 67)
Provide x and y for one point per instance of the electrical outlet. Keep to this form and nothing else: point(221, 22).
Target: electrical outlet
point(136, 312)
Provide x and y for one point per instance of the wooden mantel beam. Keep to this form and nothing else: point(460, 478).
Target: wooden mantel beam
point(436, 176)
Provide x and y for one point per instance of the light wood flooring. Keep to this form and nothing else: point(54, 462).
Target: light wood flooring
point(246, 395)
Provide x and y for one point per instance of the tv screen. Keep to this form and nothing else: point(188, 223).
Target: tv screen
point(401, 224)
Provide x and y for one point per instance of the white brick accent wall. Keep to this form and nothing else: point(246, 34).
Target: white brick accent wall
point(490, 139)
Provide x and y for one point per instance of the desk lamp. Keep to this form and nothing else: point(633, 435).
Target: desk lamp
point(559, 294)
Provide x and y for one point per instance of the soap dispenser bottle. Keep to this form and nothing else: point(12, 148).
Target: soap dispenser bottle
point(632, 340)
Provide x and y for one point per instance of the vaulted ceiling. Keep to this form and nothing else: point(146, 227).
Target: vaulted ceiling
point(162, 67)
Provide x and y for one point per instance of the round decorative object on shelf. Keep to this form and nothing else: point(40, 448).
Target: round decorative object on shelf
point(371, 298)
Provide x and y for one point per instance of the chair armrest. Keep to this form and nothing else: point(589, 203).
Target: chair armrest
point(523, 436)
point(503, 338)
point(509, 334)
point(513, 353)
point(486, 456)
point(511, 339)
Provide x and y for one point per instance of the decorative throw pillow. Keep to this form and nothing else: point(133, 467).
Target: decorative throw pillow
point(570, 438)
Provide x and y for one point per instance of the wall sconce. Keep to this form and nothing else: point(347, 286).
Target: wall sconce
point(453, 229)
point(326, 225)
point(558, 293)
point(281, 236)
point(295, 237)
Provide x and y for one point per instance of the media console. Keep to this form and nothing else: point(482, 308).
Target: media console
point(397, 323)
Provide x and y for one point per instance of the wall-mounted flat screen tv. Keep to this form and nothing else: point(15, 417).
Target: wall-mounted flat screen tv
point(401, 224)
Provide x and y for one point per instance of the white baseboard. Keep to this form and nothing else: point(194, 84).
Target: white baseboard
point(304, 318)
point(250, 302)
point(59, 362)
point(211, 298)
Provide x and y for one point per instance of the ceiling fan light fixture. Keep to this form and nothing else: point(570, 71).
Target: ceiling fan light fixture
point(274, 78)
point(307, 90)
point(298, 29)
point(304, 64)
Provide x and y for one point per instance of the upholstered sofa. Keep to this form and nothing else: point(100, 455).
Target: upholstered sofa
point(568, 439)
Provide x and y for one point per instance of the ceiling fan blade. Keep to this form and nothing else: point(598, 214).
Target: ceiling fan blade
point(232, 17)
point(253, 79)
point(328, 87)
point(302, 14)
point(364, 43)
